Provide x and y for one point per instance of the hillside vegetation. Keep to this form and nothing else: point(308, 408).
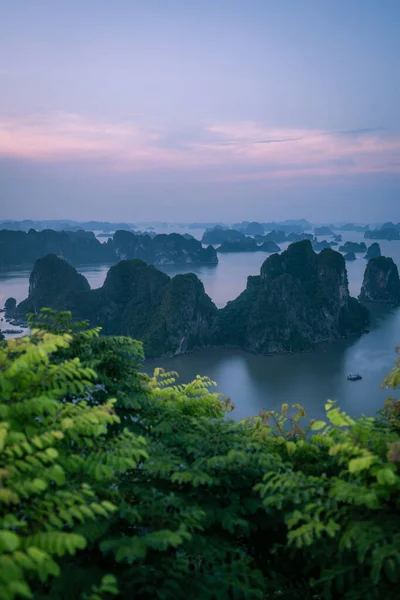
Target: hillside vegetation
point(114, 484)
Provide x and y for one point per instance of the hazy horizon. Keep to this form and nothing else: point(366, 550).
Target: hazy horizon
point(168, 110)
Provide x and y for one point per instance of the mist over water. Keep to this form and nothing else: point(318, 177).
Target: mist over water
point(254, 382)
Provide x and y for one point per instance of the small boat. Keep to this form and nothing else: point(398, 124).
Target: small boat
point(354, 376)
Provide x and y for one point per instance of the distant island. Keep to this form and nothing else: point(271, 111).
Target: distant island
point(299, 299)
point(318, 246)
point(248, 245)
point(353, 247)
point(65, 225)
point(374, 251)
point(19, 248)
point(387, 231)
point(240, 234)
point(253, 228)
point(323, 231)
point(217, 235)
point(353, 227)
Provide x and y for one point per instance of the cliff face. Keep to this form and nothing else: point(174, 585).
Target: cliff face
point(381, 281)
point(298, 299)
point(187, 316)
point(169, 315)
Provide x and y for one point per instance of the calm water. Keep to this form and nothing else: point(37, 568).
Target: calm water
point(255, 382)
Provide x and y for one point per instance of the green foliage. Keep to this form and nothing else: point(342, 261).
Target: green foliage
point(52, 454)
point(115, 483)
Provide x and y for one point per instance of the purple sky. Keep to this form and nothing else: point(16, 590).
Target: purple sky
point(200, 109)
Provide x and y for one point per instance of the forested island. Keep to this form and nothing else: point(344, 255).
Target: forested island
point(299, 299)
point(19, 248)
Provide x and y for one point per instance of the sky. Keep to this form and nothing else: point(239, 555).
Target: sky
point(200, 110)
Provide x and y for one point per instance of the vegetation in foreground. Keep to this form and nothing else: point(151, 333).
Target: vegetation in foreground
point(118, 485)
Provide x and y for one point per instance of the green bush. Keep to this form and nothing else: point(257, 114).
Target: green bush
point(189, 504)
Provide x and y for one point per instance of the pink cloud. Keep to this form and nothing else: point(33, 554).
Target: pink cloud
point(231, 151)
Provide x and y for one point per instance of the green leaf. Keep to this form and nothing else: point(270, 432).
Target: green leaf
point(39, 485)
point(8, 541)
point(339, 419)
point(20, 588)
point(290, 447)
point(3, 435)
point(57, 473)
point(386, 476)
point(317, 425)
point(362, 463)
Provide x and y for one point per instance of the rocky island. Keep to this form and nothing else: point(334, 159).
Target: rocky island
point(381, 281)
point(275, 236)
point(169, 315)
point(162, 249)
point(9, 307)
point(253, 228)
point(353, 247)
point(246, 245)
point(349, 256)
point(83, 248)
point(374, 251)
point(353, 227)
point(323, 231)
point(217, 236)
point(300, 298)
point(388, 231)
